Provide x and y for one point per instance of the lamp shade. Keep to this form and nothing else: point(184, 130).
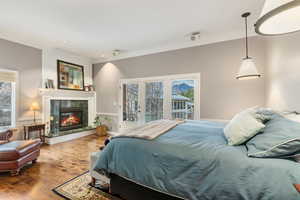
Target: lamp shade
point(279, 17)
point(34, 106)
point(247, 70)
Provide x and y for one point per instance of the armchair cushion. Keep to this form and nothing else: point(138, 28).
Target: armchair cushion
point(17, 149)
point(3, 142)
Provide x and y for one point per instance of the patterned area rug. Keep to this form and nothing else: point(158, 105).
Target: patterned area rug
point(79, 188)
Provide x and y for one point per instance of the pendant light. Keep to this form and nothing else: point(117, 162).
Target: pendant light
point(279, 17)
point(248, 69)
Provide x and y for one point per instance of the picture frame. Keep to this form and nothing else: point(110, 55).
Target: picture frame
point(70, 76)
point(49, 84)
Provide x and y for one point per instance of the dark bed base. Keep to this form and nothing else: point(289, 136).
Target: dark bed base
point(128, 190)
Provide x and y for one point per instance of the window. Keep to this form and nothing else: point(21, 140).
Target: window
point(183, 99)
point(153, 98)
point(7, 99)
point(130, 102)
point(153, 101)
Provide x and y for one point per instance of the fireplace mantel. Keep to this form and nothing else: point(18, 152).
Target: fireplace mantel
point(68, 93)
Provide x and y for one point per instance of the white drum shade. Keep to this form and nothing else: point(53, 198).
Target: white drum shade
point(247, 70)
point(279, 17)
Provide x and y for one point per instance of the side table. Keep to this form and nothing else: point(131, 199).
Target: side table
point(32, 128)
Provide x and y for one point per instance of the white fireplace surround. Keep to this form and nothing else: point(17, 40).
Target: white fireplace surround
point(54, 94)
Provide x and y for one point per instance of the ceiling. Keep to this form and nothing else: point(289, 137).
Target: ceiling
point(94, 28)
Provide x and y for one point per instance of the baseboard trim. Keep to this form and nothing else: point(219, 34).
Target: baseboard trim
point(109, 114)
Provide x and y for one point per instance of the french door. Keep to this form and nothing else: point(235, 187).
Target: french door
point(153, 98)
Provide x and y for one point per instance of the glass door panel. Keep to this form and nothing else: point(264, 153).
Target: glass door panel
point(130, 102)
point(130, 106)
point(183, 99)
point(153, 101)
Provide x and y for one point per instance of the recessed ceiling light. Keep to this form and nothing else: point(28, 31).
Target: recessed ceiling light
point(195, 36)
point(116, 52)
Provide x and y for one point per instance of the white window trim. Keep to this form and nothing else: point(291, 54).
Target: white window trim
point(13, 105)
point(167, 81)
point(13, 99)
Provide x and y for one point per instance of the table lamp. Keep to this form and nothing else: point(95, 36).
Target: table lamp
point(34, 107)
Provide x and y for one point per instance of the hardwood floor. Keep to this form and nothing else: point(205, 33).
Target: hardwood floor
point(56, 164)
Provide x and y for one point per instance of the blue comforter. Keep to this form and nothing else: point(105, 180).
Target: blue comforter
point(193, 161)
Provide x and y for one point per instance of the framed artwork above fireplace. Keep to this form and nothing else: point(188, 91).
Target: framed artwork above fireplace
point(70, 76)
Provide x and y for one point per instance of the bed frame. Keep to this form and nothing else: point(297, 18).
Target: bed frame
point(128, 190)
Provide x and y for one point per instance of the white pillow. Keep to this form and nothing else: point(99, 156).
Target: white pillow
point(242, 127)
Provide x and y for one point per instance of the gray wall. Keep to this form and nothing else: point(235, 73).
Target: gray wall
point(221, 95)
point(283, 72)
point(28, 62)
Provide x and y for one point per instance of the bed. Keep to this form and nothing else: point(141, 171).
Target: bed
point(193, 161)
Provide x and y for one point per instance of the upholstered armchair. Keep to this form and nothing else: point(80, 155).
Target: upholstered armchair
point(16, 154)
point(6, 135)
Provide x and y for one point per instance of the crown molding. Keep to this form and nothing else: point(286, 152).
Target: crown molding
point(205, 39)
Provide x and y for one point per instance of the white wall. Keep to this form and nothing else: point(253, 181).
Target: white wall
point(221, 95)
point(283, 72)
point(50, 57)
point(27, 61)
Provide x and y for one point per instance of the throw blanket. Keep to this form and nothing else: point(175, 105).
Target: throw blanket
point(151, 130)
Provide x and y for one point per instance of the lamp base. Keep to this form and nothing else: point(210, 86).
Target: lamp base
point(34, 120)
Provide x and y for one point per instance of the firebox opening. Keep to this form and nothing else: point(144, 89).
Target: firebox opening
point(70, 119)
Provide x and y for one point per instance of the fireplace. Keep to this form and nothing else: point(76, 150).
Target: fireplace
point(68, 115)
point(70, 119)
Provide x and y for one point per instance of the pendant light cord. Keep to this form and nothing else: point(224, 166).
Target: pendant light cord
point(246, 15)
point(246, 23)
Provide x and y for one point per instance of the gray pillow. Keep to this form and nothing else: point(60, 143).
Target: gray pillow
point(281, 137)
point(265, 114)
